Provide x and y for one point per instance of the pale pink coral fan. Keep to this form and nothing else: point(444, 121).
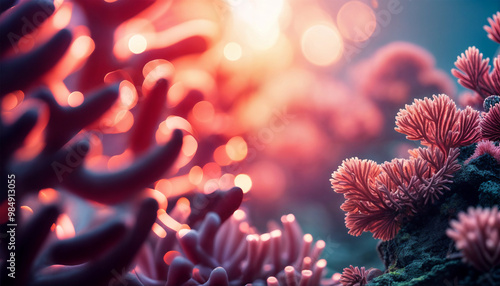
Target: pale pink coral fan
point(494, 29)
point(437, 122)
point(477, 236)
point(379, 197)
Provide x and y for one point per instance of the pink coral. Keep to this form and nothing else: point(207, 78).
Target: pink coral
point(485, 147)
point(355, 276)
point(473, 73)
point(477, 236)
point(493, 29)
point(379, 197)
point(490, 124)
point(400, 71)
point(437, 122)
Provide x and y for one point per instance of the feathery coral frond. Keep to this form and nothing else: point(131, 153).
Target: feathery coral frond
point(378, 197)
point(490, 124)
point(355, 276)
point(493, 29)
point(477, 236)
point(368, 209)
point(437, 122)
point(471, 69)
point(485, 147)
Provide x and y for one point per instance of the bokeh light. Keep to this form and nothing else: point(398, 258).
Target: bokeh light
point(269, 96)
point(75, 99)
point(322, 45)
point(356, 21)
point(232, 51)
point(137, 44)
point(244, 182)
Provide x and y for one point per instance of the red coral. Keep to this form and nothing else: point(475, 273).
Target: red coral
point(378, 197)
point(437, 122)
point(490, 124)
point(494, 29)
point(477, 236)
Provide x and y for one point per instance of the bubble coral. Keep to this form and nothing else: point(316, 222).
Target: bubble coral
point(477, 235)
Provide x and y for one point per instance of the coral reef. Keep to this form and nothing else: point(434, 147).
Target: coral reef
point(148, 143)
point(422, 253)
point(423, 249)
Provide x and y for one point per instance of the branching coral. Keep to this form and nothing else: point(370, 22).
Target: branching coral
point(473, 72)
point(380, 197)
point(92, 258)
point(439, 123)
point(477, 236)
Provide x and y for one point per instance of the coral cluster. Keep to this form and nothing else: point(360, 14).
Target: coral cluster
point(380, 198)
point(126, 138)
point(416, 238)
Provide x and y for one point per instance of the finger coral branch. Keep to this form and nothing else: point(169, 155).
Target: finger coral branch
point(14, 24)
point(116, 186)
point(115, 262)
point(31, 238)
point(66, 122)
point(41, 60)
point(148, 117)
